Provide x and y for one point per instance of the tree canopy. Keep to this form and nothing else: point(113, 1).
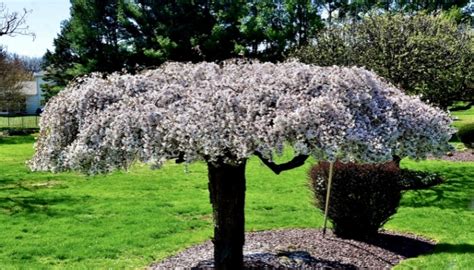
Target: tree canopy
point(227, 113)
point(428, 55)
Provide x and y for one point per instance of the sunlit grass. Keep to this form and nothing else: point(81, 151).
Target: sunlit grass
point(131, 219)
point(463, 117)
point(126, 219)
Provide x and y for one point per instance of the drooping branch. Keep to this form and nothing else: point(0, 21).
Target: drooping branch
point(297, 161)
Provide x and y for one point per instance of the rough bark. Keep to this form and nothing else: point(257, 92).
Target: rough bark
point(227, 194)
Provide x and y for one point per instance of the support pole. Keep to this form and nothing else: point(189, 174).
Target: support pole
point(328, 194)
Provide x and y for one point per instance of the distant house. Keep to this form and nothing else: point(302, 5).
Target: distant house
point(34, 96)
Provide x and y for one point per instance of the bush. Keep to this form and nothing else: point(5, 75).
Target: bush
point(363, 197)
point(466, 135)
point(423, 54)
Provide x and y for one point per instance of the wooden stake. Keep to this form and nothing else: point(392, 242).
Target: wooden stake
point(328, 194)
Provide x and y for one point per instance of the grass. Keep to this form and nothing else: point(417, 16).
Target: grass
point(126, 219)
point(131, 219)
point(19, 121)
point(463, 117)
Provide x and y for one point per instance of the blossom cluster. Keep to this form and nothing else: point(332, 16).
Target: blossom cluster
point(226, 113)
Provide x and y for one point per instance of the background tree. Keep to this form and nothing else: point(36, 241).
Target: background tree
point(12, 69)
point(115, 35)
point(30, 63)
point(423, 54)
point(223, 114)
point(61, 65)
point(345, 10)
point(12, 76)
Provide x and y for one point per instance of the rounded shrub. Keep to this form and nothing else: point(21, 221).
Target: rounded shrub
point(363, 196)
point(424, 54)
point(466, 135)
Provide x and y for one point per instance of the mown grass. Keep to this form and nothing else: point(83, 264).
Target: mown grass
point(126, 219)
point(131, 219)
point(463, 117)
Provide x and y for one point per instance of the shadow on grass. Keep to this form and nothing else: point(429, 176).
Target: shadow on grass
point(17, 139)
point(457, 192)
point(14, 205)
point(454, 248)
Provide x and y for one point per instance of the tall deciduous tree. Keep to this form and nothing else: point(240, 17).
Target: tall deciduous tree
point(12, 76)
point(223, 114)
point(423, 54)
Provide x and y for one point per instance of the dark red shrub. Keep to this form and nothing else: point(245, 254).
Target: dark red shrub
point(363, 196)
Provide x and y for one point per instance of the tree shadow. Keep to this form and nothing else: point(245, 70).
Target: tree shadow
point(17, 139)
point(454, 248)
point(457, 192)
point(13, 205)
point(283, 260)
point(38, 197)
point(404, 246)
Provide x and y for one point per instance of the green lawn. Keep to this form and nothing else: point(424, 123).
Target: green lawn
point(463, 117)
point(129, 220)
point(19, 122)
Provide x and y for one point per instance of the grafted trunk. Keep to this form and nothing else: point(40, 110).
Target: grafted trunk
point(227, 194)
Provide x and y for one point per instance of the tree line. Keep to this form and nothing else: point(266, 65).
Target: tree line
point(125, 35)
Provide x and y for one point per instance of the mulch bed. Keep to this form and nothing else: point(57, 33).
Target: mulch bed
point(466, 155)
point(308, 249)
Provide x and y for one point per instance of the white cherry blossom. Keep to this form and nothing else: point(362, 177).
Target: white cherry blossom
point(226, 113)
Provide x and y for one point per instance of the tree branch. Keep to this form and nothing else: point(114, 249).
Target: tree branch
point(180, 158)
point(278, 168)
point(13, 23)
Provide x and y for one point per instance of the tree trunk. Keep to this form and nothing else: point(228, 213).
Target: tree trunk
point(227, 194)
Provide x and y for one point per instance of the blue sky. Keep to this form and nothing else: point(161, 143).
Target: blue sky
point(44, 20)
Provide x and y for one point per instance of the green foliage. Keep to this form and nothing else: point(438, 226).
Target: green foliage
point(424, 54)
point(363, 196)
point(113, 35)
point(466, 135)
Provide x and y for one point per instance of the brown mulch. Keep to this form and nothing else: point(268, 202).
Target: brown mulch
point(308, 249)
point(466, 155)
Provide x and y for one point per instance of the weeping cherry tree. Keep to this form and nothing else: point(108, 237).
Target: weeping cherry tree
point(223, 114)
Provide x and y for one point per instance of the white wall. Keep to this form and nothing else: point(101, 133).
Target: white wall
point(34, 102)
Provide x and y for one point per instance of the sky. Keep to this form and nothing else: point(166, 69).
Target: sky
point(44, 20)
